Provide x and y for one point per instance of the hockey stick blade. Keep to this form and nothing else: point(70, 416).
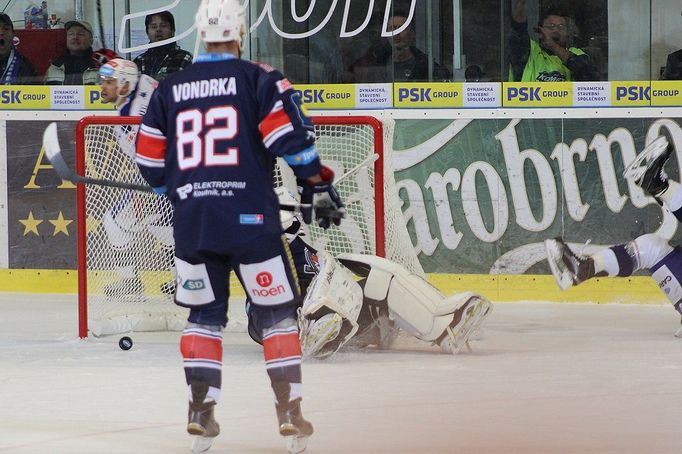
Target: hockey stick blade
point(54, 155)
point(365, 163)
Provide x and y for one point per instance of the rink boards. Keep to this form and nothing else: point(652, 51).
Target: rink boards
point(635, 289)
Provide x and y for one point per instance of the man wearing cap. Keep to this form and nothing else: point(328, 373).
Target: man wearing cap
point(161, 61)
point(15, 69)
point(79, 65)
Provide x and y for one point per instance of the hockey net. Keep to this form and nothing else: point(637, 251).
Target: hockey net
point(125, 247)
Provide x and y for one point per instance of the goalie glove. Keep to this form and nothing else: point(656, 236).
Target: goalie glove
point(323, 199)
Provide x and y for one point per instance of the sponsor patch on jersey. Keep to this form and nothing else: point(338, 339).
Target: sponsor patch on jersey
point(283, 85)
point(266, 282)
point(251, 219)
point(194, 286)
point(668, 282)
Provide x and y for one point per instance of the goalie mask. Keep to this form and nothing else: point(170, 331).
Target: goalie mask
point(122, 71)
point(220, 21)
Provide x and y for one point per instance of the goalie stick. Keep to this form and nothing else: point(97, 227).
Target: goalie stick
point(53, 152)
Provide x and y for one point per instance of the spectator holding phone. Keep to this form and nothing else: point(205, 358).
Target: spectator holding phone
point(550, 57)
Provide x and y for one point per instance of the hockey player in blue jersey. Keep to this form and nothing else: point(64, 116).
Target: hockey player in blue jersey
point(209, 141)
point(647, 252)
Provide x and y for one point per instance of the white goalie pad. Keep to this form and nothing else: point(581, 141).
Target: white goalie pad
point(415, 305)
point(338, 298)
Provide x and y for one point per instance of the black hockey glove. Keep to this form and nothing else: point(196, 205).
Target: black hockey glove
point(323, 198)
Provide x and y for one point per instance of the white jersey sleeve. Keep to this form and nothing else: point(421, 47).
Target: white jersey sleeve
point(137, 106)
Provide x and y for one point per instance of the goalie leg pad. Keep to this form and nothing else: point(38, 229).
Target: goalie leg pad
point(415, 305)
point(330, 311)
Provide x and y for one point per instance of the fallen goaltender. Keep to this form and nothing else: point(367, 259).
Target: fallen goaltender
point(339, 311)
point(359, 300)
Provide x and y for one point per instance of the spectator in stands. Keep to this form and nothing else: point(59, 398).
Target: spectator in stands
point(372, 65)
point(550, 58)
point(673, 66)
point(159, 62)
point(409, 63)
point(396, 58)
point(79, 65)
point(473, 73)
point(14, 67)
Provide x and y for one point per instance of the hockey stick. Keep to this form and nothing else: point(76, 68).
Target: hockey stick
point(54, 155)
point(369, 160)
point(101, 24)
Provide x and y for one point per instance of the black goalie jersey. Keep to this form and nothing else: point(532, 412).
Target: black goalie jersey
point(209, 140)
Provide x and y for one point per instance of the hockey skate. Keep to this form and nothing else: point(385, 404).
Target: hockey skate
point(293, 427)
point(567, 267)
point(466, 320)
point(647, 168)
point(200, 420)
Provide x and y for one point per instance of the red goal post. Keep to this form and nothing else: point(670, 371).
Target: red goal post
point(130, 246)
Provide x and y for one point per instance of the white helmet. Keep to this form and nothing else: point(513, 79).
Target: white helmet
point(121, 70)
point(286, 198)
point(220, 21)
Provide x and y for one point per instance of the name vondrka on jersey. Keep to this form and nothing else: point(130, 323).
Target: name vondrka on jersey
point(205, 89)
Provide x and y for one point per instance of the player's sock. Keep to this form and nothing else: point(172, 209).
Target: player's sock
point(202, 352)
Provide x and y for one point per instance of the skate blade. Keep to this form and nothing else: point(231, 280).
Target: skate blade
point(678, 333)
point(636, 169)
point(296, 444)
point(561, 276)
point(201, 443)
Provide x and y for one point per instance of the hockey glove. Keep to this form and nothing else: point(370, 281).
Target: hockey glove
point(323, 199)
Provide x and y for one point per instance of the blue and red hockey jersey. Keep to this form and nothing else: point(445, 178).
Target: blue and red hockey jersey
point(209, 139)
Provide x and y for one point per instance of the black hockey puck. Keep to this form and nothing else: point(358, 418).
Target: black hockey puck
point(125, 343)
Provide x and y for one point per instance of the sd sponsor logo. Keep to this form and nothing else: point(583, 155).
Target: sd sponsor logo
point(194, 284)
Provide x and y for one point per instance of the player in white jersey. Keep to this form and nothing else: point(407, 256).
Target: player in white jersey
point(133, 213)
point(649, 252)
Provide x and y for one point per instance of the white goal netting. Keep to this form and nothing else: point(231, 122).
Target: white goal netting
point(126, 270)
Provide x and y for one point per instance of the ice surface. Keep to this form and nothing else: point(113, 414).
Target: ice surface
point(545, 378)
